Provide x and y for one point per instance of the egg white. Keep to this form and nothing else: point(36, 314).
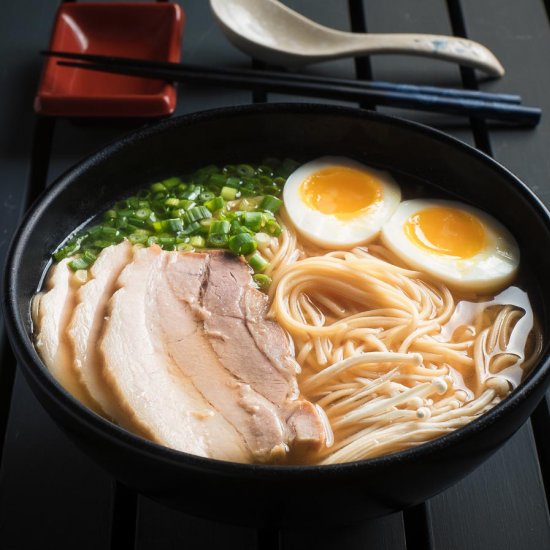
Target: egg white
point(326, 230)
point(491, 269)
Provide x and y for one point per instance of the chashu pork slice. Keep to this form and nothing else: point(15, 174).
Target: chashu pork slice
point(88, 318)
point(153, 397)
point(256, 349)
point(226, 312)
point(180, 324)
point(52, 311)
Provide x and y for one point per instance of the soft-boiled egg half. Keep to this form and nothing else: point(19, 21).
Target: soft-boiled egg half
point(455, 243)
point(337, 202)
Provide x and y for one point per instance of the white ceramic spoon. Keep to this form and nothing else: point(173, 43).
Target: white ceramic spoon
point(268, 30)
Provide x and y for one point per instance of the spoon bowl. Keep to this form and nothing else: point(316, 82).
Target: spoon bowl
point(272, 32)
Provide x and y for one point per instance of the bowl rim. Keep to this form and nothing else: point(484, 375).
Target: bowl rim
point(34, 367)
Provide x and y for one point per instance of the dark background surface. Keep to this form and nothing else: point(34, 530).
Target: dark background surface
point(53, 496)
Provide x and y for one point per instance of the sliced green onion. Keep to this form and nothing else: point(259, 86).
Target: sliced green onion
point(228, 193)
point(242, 244)
point(271, 203)
point(215, 204)
point(220, 227)
point(95, 231)
point(217, 240)
point(171, 182)
point(102, 244)
point(126, 212)
point(110, 233)
point(265, 169)
point(217, 179)
point(257, 262)
point(245, 170)
point(136, 222)
point(172, 201)
point(206, 196)
point(263, 281)
point(79, 263)
point(196, 213)
point(197, 241)
point(120, 223)
point(166, 240)
point(273, 228)
point(136, 238)
point(184, 246)
point(158, 187)
point(233, 182)
point(177, 212)
point(89, 256)
point(157, 226)
point(175, 225)
point(67, 250)
point(253, 220)
point(110, 214)
point(132, 202)
point(191, 228)
point(187, 204)
point(143, 194)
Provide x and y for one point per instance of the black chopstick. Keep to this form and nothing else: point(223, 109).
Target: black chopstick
point(505, 112)
point(294, 77)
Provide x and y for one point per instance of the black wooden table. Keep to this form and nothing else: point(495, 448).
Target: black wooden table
point(53, 496)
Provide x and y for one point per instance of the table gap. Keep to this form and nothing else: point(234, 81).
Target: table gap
point(363, 68)
point(7, 377)
point(259, 95)
point(540, 421)
point(417, 521)
point(469, 80)
point(124, 517)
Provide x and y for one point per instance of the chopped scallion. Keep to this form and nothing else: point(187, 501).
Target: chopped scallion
point(271, 203)
point(197, 241)
point(242, 244)
point(263, 281)
point(228, 193)
point(257, 262)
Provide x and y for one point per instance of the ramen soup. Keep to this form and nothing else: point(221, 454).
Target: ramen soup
point(285, 313)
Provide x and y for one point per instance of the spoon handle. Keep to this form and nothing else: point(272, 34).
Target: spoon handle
point(461, 50)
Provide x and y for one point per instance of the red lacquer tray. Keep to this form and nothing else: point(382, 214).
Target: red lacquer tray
point(141, 30)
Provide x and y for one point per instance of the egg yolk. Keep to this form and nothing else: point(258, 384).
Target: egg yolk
point(341, 191)
point(446, 231)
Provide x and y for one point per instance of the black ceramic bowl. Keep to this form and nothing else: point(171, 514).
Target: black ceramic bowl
point(255, 494)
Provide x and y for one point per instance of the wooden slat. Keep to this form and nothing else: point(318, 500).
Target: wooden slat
point(382, 534)
point(500, 505)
